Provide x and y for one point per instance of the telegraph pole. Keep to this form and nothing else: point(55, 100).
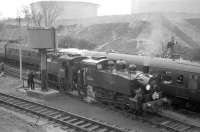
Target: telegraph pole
point(20, 50)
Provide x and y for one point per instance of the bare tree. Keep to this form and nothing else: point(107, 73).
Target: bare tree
point(27, 15)
point(32, 17)
point(46, 15)
point(50, 13)
point(36, 18)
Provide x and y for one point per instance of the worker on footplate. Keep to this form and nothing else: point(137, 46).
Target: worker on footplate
point(79, 82)
point(28, 78)
point(170, 47)
point(139, 98)
point(136, 97)
point(75, 79)
point(61, 79)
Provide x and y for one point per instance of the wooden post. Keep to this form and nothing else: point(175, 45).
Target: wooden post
point(20, 50)
point(43, 68)
point(20, 62)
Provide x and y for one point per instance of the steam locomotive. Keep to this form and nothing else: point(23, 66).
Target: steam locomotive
point(178, 79)
point(111, 81)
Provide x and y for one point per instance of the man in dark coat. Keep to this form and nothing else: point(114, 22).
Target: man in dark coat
point(32, 83)
point(28, 80)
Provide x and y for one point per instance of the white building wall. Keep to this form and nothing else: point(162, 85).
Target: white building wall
point(69, 10)
point(185, 6)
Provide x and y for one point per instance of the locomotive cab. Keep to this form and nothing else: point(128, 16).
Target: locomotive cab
point(72, 66)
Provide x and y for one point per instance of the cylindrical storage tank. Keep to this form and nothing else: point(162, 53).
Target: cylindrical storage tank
point(67, 9)
point(178, 6)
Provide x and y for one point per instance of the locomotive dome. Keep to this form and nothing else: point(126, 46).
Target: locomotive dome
point(166, 6)
point(68, 9)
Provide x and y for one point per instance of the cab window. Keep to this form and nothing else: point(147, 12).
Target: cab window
point(166, 77)
point(180, 79)
point(121, 65)
point(99, 67)
point(110, 65)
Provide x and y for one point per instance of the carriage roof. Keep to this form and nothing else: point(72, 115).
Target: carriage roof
point(93, 62)
point(180, 65)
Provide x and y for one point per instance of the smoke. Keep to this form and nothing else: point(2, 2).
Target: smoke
point(153, 44)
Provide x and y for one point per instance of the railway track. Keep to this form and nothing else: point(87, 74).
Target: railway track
point(75, 123)
point(174, 125)
point(160, 121)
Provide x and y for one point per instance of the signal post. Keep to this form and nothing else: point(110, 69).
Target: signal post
point(43, 69)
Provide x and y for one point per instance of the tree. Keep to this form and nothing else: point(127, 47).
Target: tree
point(37, 18)
point(50, 13)
point(27, 15)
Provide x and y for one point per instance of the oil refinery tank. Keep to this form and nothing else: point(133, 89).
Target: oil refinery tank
point(67, 9)
point(166, 6)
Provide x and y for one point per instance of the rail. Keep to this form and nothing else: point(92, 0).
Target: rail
point(70, 120)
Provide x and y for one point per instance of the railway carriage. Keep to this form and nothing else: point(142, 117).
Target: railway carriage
point(180, 79)
point(29, 56)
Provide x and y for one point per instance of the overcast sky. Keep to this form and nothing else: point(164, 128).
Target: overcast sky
point(8, 8)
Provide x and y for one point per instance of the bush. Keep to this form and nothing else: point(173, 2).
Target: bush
point(70, 42)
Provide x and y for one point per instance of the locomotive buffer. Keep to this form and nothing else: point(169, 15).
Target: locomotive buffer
point(42, 39)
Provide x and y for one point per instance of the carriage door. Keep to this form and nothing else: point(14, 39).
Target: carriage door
point(193, 86)
point(180, 85)
point(192, 83)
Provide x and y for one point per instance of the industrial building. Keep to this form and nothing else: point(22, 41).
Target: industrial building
point(179, 6)
point(67, 9)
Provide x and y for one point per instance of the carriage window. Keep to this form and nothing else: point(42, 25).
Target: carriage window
point(110, 65)
point(180, 79)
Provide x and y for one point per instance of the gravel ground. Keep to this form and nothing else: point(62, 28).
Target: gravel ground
point(12, 123)
point(76, 106)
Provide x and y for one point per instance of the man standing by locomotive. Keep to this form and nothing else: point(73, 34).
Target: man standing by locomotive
point(170, 47)
point(32, 83)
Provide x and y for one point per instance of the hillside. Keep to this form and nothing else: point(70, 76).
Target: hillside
point(145, 34)
point(140, 33)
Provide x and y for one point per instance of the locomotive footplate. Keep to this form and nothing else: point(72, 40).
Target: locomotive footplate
point(155, 105)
